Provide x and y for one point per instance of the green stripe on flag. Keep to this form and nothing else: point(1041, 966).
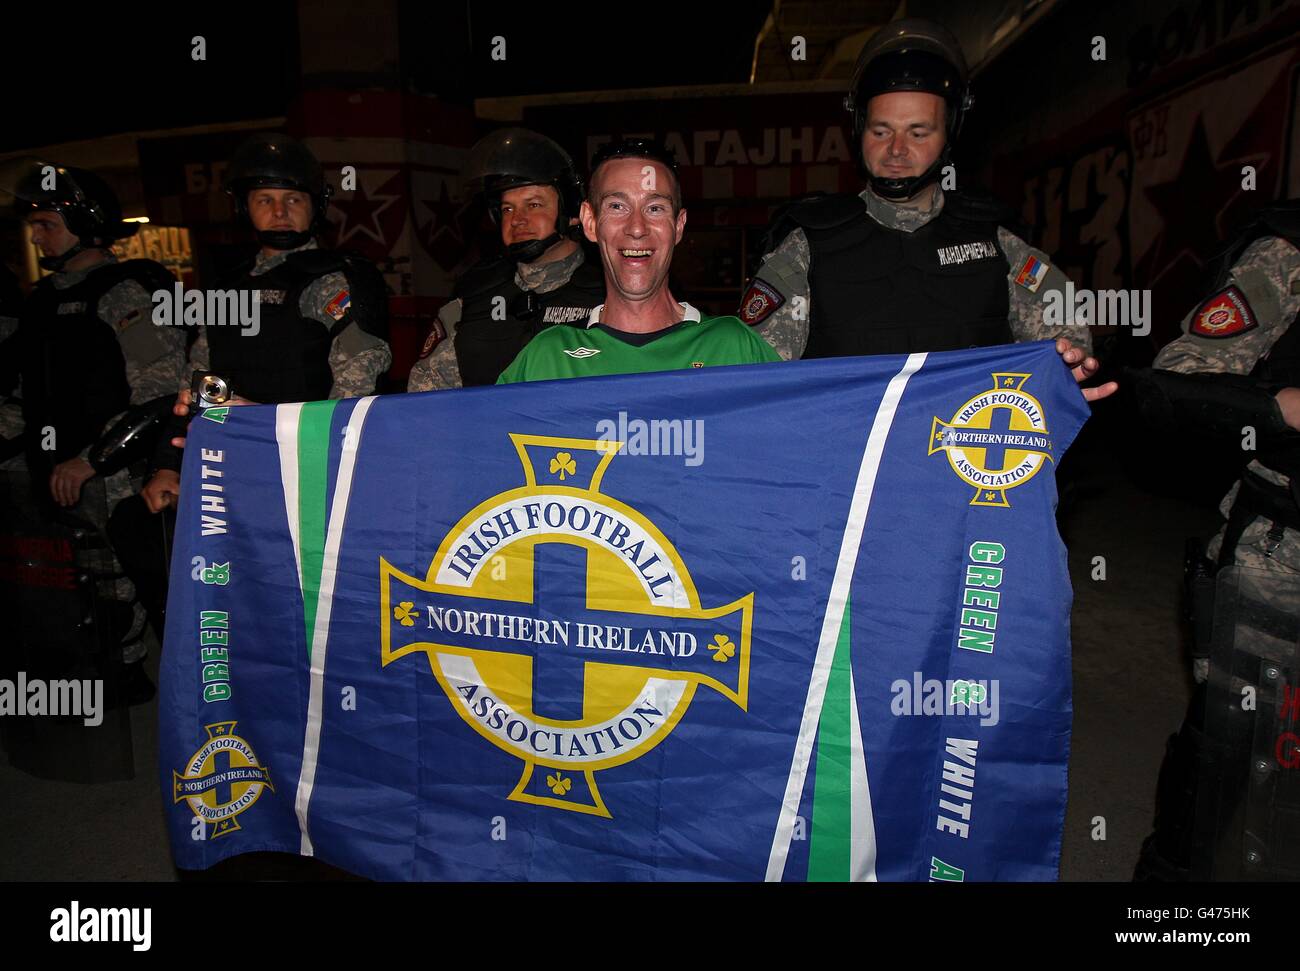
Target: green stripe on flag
point(313, 475)
point(830, 842)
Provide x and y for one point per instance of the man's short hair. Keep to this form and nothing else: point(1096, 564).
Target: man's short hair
point(635, 148)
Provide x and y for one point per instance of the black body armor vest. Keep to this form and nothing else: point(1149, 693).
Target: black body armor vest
point(73, 370)
point(288, 358)
point(877, 290)
point(485, 346)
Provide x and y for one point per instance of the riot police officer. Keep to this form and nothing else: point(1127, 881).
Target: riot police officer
point(1231, 380)
point(87, 350)
point(532, 192)
point(87, 342)
point(906, 265)
point(321, 330)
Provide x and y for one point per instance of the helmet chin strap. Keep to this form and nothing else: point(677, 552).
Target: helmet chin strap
point(531, 250)
point(896, 190)
point(283, 239)
point(56, 263)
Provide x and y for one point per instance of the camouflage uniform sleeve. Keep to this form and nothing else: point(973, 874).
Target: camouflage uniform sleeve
point(1027, 307)
point(449, 317)
point(777, 301)
point(1258, 304)
point(357, 369)
point(357, 358)
point(155, 355)
point(439, 370)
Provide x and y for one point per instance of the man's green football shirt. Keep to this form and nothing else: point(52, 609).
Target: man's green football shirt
point(563, 351)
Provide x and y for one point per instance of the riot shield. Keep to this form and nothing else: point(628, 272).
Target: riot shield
point(61, 635)
point(1247, 823)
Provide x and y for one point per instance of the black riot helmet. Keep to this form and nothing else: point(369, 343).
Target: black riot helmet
point(910, 55)
point(275, 161)
point(514, 157)
point(89, 207)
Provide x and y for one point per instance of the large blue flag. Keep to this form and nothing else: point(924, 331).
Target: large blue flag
point(786, 622)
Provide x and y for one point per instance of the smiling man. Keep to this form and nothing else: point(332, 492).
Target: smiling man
point(907, 265)
point(634, 215)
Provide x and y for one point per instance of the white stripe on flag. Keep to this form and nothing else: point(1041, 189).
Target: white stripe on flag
point(286, 437)
point(848, 558)
point(328, 573)
point(862, 829)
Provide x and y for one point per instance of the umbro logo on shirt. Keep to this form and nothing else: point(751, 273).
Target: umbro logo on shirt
point(582, 352)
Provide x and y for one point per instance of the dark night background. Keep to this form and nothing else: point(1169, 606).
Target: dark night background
point(106, 70)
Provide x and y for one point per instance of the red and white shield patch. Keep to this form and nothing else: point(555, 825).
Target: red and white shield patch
point(436, 334)
point(759, 302)
point(1224, 315)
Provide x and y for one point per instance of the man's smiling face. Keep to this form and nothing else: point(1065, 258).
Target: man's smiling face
point(630, 216)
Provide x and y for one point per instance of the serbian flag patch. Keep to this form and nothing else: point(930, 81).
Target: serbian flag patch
point(338, 306)
point(1031, 274)
point(760, 300)
point(1223, 315)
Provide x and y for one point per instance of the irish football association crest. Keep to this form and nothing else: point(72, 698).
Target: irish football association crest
point(563, 627)
point(222, 779)
point(996, 441)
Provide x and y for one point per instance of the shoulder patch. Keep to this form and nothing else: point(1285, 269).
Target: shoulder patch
point(1225, 314)
point(338, 304)
point(1032, 273)
point(759, 302)
point(436, 334)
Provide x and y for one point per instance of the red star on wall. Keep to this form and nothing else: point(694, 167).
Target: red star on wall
point(1192, 204)
point(361, 211)
point(444, 210)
